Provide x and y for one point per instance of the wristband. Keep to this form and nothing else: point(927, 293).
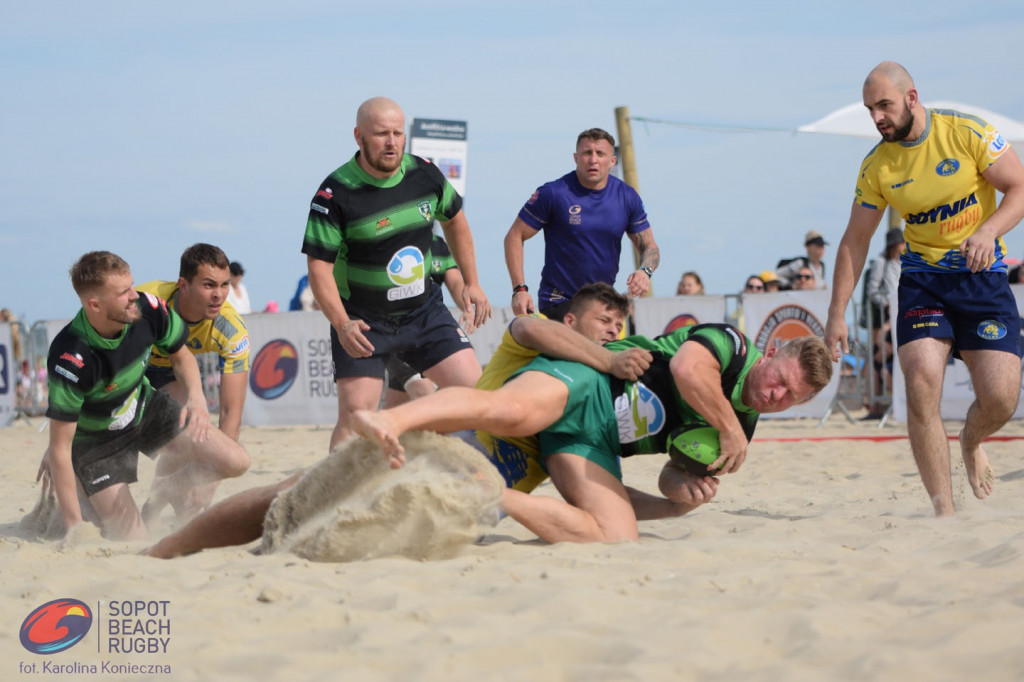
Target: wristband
point(649, 271)
point(519, 287)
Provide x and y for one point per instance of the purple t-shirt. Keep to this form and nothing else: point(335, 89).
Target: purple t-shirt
point(583, 232)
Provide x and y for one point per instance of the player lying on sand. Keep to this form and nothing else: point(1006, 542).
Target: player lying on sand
point(597, 315)
point(584, 419)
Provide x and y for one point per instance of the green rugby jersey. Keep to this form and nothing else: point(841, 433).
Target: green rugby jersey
point(378, 232)
point(649, 409)
point(100, 383)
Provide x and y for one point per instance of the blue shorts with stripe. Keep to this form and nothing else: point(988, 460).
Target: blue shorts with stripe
point(976, 310)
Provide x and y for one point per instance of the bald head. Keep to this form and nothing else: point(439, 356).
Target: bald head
point(891, 99)
point(380, 134)
point(375, 107)
point(892, 72)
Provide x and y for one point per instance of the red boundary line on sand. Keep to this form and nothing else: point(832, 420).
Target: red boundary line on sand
point(873, 439)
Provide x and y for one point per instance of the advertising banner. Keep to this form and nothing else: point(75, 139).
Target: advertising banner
point(444, 144)
point(776, 318)
point(291, 374)
point(657, 316)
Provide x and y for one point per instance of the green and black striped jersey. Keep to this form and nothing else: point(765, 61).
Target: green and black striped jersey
point(378, 232)
point(100, 383)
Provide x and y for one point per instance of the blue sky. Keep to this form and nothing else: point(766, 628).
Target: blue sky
point(143, 128)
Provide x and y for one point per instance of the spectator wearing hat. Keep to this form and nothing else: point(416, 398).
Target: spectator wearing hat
point(788, 268)
point(771, 281)
point(238, 295)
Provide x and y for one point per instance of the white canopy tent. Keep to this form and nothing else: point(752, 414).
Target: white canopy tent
point(854, 121)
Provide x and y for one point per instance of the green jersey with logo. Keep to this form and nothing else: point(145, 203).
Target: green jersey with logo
point(378, 232)
point(99, 382)
point(649, 409)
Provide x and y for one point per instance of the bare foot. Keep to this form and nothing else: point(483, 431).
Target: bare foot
point(377, 427)
point(979, 472)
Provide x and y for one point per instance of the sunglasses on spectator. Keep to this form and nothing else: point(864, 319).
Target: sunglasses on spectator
point(755, 287)
point(805, 276)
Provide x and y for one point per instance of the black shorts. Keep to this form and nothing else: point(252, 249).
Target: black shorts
point(420, 339)
point(101, 464)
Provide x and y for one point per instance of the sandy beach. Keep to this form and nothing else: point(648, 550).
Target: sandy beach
point(819, 560)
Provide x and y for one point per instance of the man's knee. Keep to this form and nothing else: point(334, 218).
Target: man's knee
point(459, 369)
point(234, 460)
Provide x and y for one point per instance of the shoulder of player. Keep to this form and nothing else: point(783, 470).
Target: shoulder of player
point(70, 355)
point(959, 121)
point(230, 322)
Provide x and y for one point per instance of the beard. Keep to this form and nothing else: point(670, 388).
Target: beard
point(379, 163)
point(125, 316)
point(900, 129)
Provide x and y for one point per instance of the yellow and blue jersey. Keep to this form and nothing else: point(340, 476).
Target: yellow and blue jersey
point(226, 335)
point(518, 459)
point(936, 184)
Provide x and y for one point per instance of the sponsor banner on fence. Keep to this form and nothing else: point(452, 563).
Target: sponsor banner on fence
point(443, 143)
point(657, 316)
point(291, 374)
point(957, 389)
point(776, 318)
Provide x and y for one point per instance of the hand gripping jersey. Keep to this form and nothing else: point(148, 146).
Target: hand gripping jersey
point(378, 232)
point(100, 382)
point(583, 231)
point(649, 409)
point(936, 184)
point(226, 335)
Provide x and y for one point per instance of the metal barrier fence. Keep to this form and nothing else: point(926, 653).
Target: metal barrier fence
point(862, 382)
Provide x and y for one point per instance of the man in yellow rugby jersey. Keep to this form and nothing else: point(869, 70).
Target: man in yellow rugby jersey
point(941, 170)
point(199, 296)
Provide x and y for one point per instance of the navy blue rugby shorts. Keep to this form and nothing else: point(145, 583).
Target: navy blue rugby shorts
point(420, 339)
point(976, 310)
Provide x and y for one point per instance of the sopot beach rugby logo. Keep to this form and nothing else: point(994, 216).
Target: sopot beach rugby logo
point(56, 626)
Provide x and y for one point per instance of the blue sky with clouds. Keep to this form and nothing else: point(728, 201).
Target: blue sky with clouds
point(144, 128)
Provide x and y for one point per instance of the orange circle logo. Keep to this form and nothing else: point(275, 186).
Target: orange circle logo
point(785, 324)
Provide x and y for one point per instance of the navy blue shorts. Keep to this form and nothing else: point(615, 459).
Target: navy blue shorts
point(976, 310)
point(420, 339)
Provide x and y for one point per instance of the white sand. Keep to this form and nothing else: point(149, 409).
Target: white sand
point(817, 561)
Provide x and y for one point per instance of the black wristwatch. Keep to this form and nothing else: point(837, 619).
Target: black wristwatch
point(648, 270)
point(519, 287)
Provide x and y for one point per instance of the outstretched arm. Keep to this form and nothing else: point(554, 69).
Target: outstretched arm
point(460, 242)
point(232, 400)
point(850, 257)
point(235, 520)
point(522, 302)
point(698, 377)
point(186, 373)
point(639, 282)
point(62, 474)
point(1007, 176)
point(560, 341)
